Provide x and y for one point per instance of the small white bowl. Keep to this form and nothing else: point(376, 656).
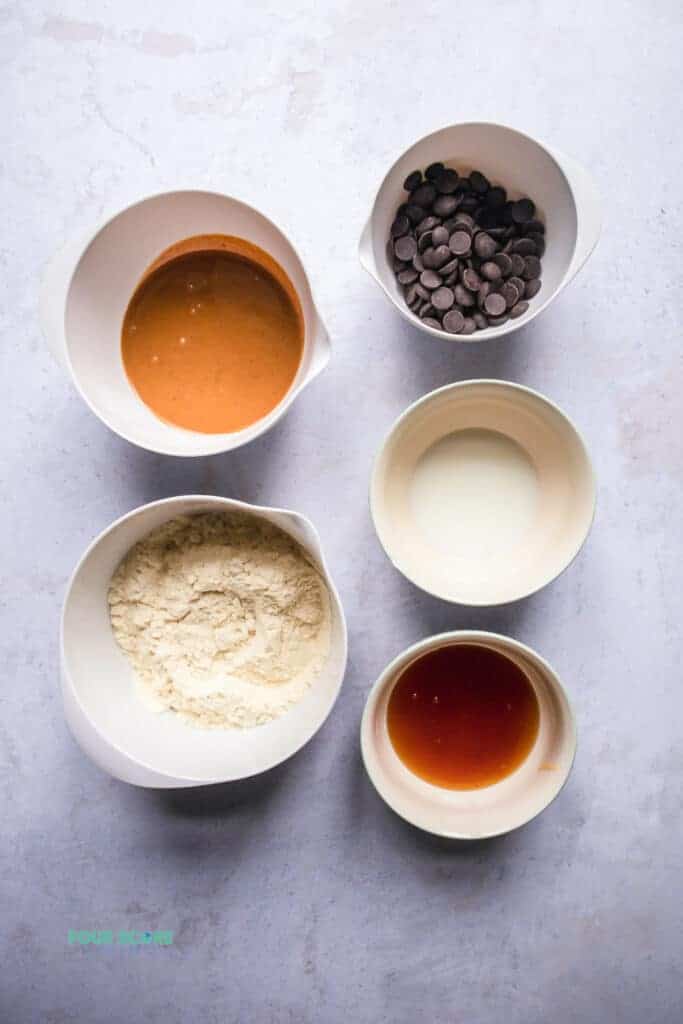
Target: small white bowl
point(483, 492)
point(106, 716)
point(565, 195)
point(474, 813)
point(89, 284)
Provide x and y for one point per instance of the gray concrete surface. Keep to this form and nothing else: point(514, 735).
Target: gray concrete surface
point(298, 897)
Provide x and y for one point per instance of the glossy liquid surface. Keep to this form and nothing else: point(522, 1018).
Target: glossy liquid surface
point(463, 717)
point(474, 495)
point(213, 336)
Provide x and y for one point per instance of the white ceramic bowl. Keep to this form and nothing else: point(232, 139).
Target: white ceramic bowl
point(88, 286)
point(483, 492)
point(111, 723)
point(477, 813)
point(565, 196)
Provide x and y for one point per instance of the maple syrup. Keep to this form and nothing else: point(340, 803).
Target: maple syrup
point(463, 716)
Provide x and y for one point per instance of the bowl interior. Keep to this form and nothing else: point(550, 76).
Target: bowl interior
point(482, 493)
point(103, 284)
point(103, 682)
point(478, 813)
point(507, 158)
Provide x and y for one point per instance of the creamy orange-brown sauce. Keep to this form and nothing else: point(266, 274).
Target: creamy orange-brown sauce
point(213, 336)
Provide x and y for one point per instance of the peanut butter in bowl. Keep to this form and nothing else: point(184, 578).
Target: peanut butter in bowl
point(213, 336)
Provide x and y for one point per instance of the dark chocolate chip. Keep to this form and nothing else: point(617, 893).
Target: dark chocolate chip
point(460, 243)
point(510, 294)
point(454, 321)
point(414, 213)
point(484, 290)
point(430, 279)
point(506, 214)
point(535, 226)
point(469, 326)
point(412, 181)
point(480, 320)
point(463, 221)
point(471, 280)
point(443, 298)
point(519, 309)
point(423, 293)
point(486, 218)
point(494, 304)
point(418, 264)
point(426, 224)
point(484, 245)
point(498, 321)
point(444, 206)
point(411, 294)
point(450, 278)
point(524, 247)
point(449, 267)
point(424, 195)
point(434, 170)
point(462, 296)
point(504, 262)
point(439, 236)
point(426, 309)
point(405, 247)
point(469, 203)
point(532, 268)
point(479, 183)
point(442, 255)
point(538, 240)
point(401, 226)
point(447, 181)
point(496, 197)
point(518, 283)
point(517, 263)
point(532, 288)
point(431, 322)
point(428, 256)
point(407, 276)
point(491, 271)
point(522, 211)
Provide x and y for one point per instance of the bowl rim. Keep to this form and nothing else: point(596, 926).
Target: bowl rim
point(66, 678)
point(489, 334)
point(457, 386)
point(222, 442)
point(434, 642)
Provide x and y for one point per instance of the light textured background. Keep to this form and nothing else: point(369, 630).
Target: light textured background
point(299, 897)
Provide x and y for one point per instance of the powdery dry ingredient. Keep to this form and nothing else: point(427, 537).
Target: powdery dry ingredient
point(223, 617)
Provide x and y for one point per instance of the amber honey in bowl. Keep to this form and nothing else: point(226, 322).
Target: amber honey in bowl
point(213, 336)
point(463, 716)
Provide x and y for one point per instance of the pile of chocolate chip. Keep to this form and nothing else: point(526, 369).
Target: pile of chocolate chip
point(466, 256)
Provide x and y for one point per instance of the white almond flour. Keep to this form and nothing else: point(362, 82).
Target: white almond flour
point(223, 617)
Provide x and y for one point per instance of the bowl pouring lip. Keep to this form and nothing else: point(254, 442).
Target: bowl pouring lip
point(489, 333)
point(67, 681)
point(435, 642)
point(459, 386)
point(228, 441)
